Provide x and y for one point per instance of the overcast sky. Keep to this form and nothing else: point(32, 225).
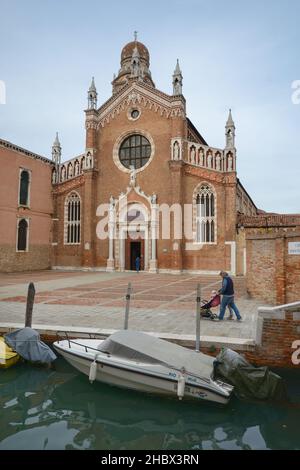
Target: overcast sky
point(234, 54)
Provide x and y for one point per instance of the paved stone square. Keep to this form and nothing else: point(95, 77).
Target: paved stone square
point(163, 303)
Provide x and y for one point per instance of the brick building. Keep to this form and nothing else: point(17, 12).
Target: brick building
point(26, 209)
point(147, 184)
point(272, 246)
point(143, 156)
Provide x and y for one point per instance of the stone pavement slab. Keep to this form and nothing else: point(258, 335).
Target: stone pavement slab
point(159, 302)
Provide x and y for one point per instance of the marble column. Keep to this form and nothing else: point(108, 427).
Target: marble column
point(111, 233)
point(153, 228)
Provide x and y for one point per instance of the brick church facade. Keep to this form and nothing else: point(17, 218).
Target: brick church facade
point(144, 162)
point(142, 148)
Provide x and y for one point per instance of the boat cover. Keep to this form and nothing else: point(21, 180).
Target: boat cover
point(26, 342)
point(249, 382)
point(147, 349)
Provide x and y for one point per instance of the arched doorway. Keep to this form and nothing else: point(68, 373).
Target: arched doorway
point(135, 241)
point(134, 237)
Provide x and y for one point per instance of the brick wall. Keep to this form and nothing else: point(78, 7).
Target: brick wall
point(278, 328)
point(38, 257)
point(37, 211)
point(273, 275)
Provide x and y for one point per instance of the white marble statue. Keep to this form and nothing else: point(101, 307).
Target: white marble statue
point(176, 151)
point(132, 181)
point(201, 158)
point(209, 160)
point(193, 155)
point(153, 198)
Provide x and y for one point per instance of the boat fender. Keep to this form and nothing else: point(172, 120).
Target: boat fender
point(181, 386)
point(93, 370)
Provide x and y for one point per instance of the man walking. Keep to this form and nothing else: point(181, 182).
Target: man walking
point(227, 291)
point(137, 264)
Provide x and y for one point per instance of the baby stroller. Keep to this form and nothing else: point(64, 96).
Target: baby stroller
point(206, 306)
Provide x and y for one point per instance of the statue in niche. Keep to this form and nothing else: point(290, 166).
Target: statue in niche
point(201, 158)
point(89, 160)
point(153, 198)
point(76, 168)
point(70, 172)
point(176, 151)
point(193, 155)
point(209, 160)
point(218, 162)
point(63, 173)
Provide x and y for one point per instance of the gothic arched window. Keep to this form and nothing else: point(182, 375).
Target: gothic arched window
point(22, 235)
point(135, 151)
point(205, 215)
point(24, 188)
point(72, 219)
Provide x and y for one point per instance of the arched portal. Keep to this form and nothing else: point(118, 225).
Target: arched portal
point(134, 237)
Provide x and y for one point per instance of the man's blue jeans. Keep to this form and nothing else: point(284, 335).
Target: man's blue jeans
point(228, 300)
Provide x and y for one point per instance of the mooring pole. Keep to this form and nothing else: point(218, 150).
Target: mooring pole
point(29, 305)
point(127, 306)
point(198, 318)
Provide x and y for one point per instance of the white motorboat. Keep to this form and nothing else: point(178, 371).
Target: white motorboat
point(142, 362)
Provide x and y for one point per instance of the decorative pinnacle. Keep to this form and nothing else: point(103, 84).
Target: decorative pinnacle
point(230, 121)
point(93, 86)
point(56, 143)
point(177, 70)
point(135, 33)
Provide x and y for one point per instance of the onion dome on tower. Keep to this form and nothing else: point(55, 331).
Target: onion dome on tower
point(135, 61)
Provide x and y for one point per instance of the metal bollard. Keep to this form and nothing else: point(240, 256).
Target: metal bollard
point(198, 315)
point(127, 306)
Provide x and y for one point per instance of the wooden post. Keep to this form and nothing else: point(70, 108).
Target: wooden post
point(198, 314)
point(29, 305)
point(127, 306)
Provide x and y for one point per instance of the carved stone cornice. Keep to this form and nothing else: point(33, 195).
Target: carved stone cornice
point(89, 124)
point(210, 175)
point(140, 95)
point(68, 185)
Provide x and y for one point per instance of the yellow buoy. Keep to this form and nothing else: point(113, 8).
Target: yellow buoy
point(8, 357)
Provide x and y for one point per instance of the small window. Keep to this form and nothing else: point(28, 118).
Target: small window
point(22, 235)
point(135, 113)
point(24, 188)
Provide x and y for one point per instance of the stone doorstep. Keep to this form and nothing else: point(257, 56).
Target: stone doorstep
point(240, 344)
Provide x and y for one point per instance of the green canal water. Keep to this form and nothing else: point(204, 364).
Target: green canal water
point(60, 409)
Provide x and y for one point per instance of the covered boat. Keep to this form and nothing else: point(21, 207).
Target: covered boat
point(26, 342)
point(8, 357)
point(250, 382)
point(143, 362)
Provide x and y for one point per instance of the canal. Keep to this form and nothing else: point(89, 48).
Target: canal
point(60, 409)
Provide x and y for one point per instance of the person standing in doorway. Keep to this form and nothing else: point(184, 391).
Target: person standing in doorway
point(137, 264)
point(227, 291)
